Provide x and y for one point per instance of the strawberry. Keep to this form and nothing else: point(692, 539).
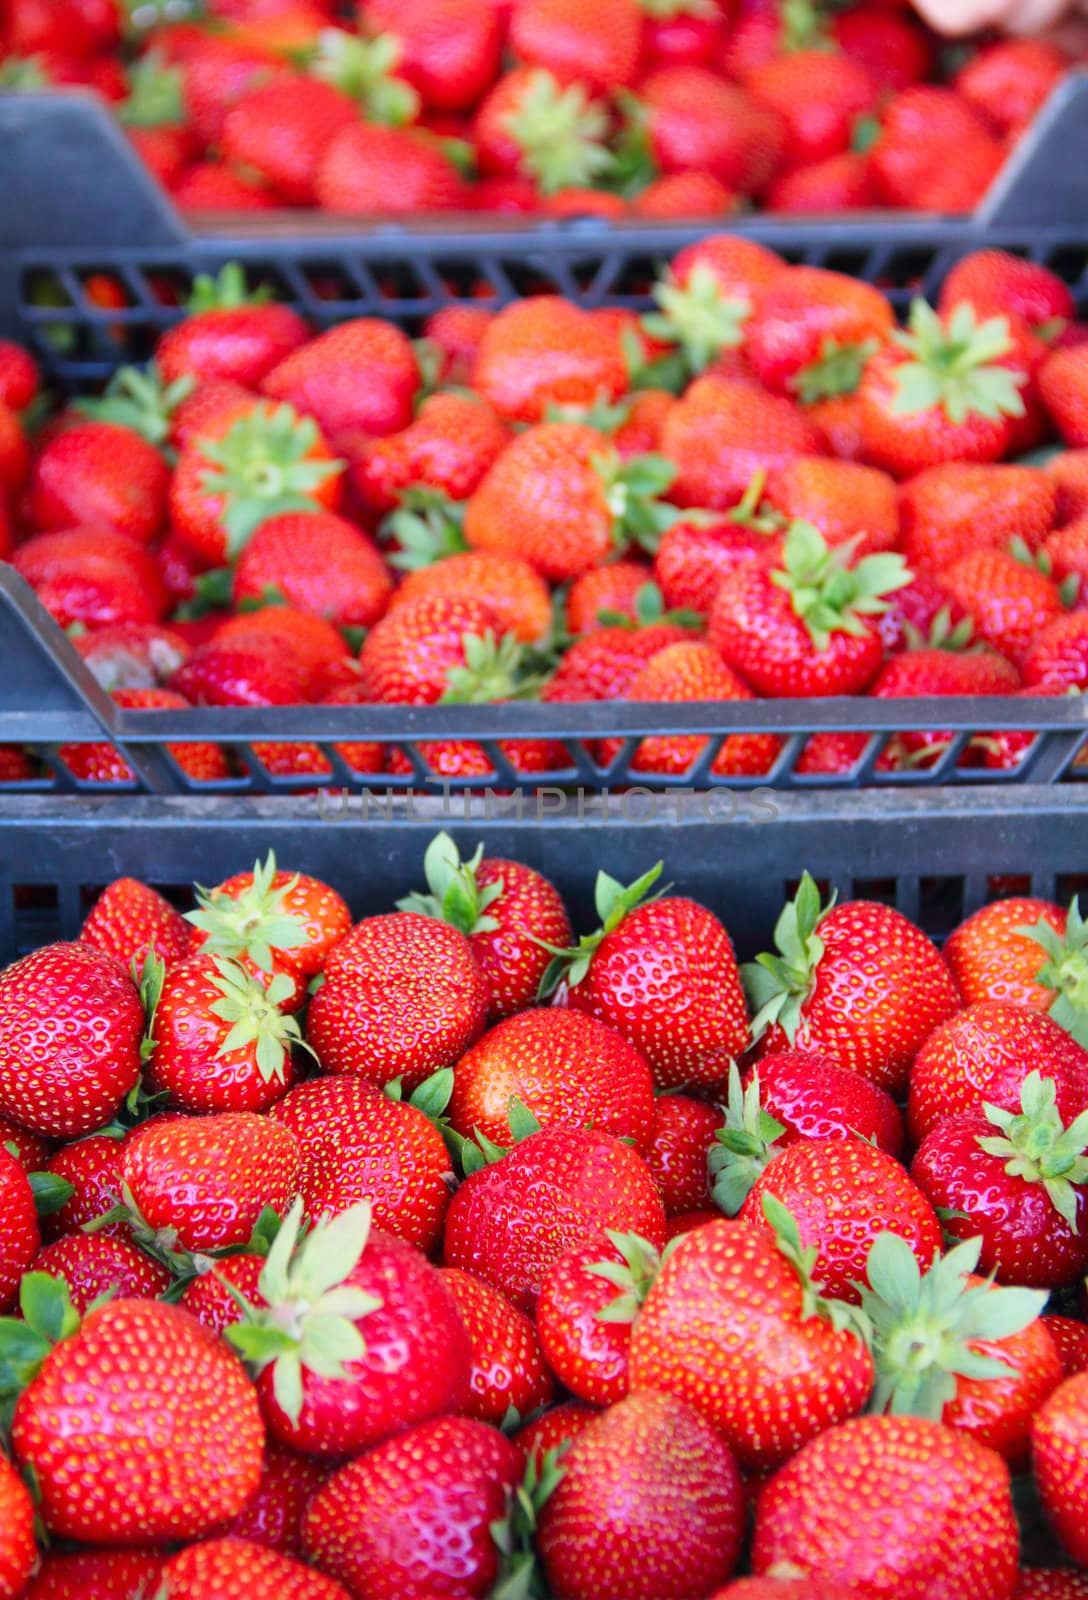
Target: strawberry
point(697, 552)
point(132, 655)
point(684, 194)
point(271, 918)
point(515, 593)
point(447, 449)
point(812, 1098)
point(14, 452)
point(229, 334)
point(1016, 1180)
point(448, 50)
point(649, 1500)
point(86, 1176)
point(372, 171)
point(663, 973)
point(840, 183)
point(92, 575)
point(217, 74)
point(936, 1505)
point(93, 1264)
point(1066, 552)
point(783, 1589)
point(1058, 1458)
point(320, 563)
point(708, 293)
point(683, 32)
point(272, 1516)
point(805, 628)
point(539, 135)
point(234, 1569)
point(556, 1191)
point(949, 392)
point(29, 1151)
point(909, 160)
point(599, 45)
point(129, 919)
point(683, 1136)
point(725, 1298)
point(184, 1451)
point(994, 283)
point(99, 474)
point(20, 379)
point(1057, 659)
point(898, 985)
point(614, 590)
point(211, 1296)
point(694, 121)
point(565, 1068)
point(604, 664)
point(1008, 82)
point(358, 1145)
point(401, 1357)
point(983, 1055)
point(1071, 1342)
point(402, 997)
point(588, 1302)
point(448, 1481)
point(819, 95)
point(1069, 470)
point(1063, 384)
point(208, 187)
point(359, 378)
point(251, 671)
point(18, 1551)
point(282, 128)
point(508, 1366)
point(406, 657)
point(207, 1179)
point(949, 1346)
point(841, 498)
point(888, 44)
point(19, 1237)
point(1009, 600)
point(722, 433)
point(78, 30)
point(104, 763)
point(950, 510)
point(70, 1028)
point(541, 352)
point(1051, 1583)
point(555, 1427)
point(95, 1575)
point(314, 647)
point(945, 668)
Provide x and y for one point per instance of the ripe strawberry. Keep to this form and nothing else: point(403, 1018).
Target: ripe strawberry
point(684, 194)
point(950, 510)
point(698, 551)
point(587, 1305)
point(843, 499)
point(93, 576)
point(447, 449)
point(898, 985)
point(359, 378)
point(29, 1151)
point(995, 283)
point(604, 664)
point(282, 128)
point(320, 563)
point(20, 379)
point(708, 293)
point(1009, 600)
point(14, 452)
point(683, 1136)
point(95, 1575)
point(614, 590)
point(402, 997)
point(407, 657)
point(104, 763)
point(910, 158)
point(18, 1551)
point(1058, 1460)
point(1066, 552)
point(555, 1427)
point(649, 1500)
point(234, 1569)
point(249, 671)
point(556, 1191)
point(805, 628)
point(448, 50)
point(454, 332)
point(508, 1366)
point(715, 1329)
point(1022, 1191)
point(93, 1264)
point(887, 43)
point(599, 46)
point(516, 594)
point(1063, 385)
point(185, 1448)
point(1070, 1338)
point(70, 1028)
point(207, 1179)
point(951, 391)
point(401, 1357)
point(315, 648)
point(722, 433)
point(129, 919)
point(663, 973)
point(1008, 82)
point(229, 335)
point(217, 74)
point(697, 122)
point(98, 474)
point(91, 1170)
point(448, 1481)
point(272, 918)
point(541, 352)
point(209, 187)
point(533, 135)
point(272, 1516)
point(935, 1504)
point(210, 1296)
point(1058, 658)
point(19, 1237)
point(840, 183)
point(366, 170)
point(933, 671)
point(984, 1054)
point(783, 1589)
point(812, 1098)
point(1051, 1583)
point(819, 95)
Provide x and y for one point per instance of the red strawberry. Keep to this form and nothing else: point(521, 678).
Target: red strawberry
point(840, 183)
point(819, 95)
point(210, 1297)
point(184, 1451)
point(1063, 384)
point(1010, 601)
point(282, 128)
point(19, 375)
point(983, 1055)
point(448, 50)
point(841, 498)
point(698, 552)
point(319, 563)
point(709, 291)
point(401, 1357)
point(533, 136)
point(19, 1238)
point(129, 919)
point(684, 194)
point(91, 1168)
point(683, 1136)
point(556, 1191)
point(448, 449)
point(1066, 551)
point(887, 43)
point(229, 334)
point(697, 122)
point(209, 187)
point(812, 1098)
point(995, 283)
point(858, 983)
point(217, 73)
point(1051, 1583)
point(271, 918)
point(664, 975)
point(517, 595)
point(234, 1569)
point(239, 672)
point(28, 1150)
point(104, 763)
point(92, 575)
point(95, 1575)
point(910, 158)
point(70, 1029)
point(315, 648)
point(555, 1427)
point(93, 1264)
point(585, 1311)
point(402, 997)
point(360, 378)
point(935, 1504)
point(207, 1179)
point(369, 171)
point(14, 452)
point(508, 1366)
point(99, 474)
point(358, 1144)
point(722, 433)
point(1009, 81)
point(1071, 1341)
point(649, 1499)
point(1057, 659)
point(604, 664)
point(727, 1327)
point(1058, 1459)
point(950, 510)
point(598, 45)
point(406, 658)
point(448, 1481)
point(134, 655)
point(18, 1550)
point(272, 1516)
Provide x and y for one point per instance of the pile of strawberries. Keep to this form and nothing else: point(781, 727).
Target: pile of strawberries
point(447, 1255)
point(766, 488)
point(652, 108)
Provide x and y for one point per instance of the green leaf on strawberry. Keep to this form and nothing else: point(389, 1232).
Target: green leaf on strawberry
point(1065, 970)
point(51, 1192)
point(649, 609)
point(802, 1258)
point(633, 1276)
point(455, 897)
point(494, 670)
point(519, 1576)
point(155, 98)
point(829, 591)
point(613, 901)
point(227, 291)
point(697, 316)
point(743, 1146)
point(253, 1010)
point(836, 371)
point(261, 469)
point(778, 985)
point(427, 528)
point(364, 69)
point(953, 366)
point(633, 489)
point(140, 400)
point(1037, 1146)
point(251, 922)
point(561, 134)
point(46, 1317)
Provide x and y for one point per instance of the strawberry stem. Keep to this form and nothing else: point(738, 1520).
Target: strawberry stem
point(456, 897)
point(745, 1144)
point(1065, 971)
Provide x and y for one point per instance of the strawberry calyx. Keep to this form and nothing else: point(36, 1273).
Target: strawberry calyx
point(697, 316)
point(254, 922)
point(803, 27)
point(1040, 561)
point(751, 511)
point(365, 70)
point(514, 1533)
point(802, 1258)
point(922, 1325)
point(228, 290)
point(46, 1317)
point(260, 469)
point(957, 638)
point(1065, 970)
point(141, 401)
point(479, 1151)
point(308, 1322)
point(561, 134)
point(744, 1144)
point(777, 986)
point(51, 1192)
point(427, 527)
point(831, 592)
point(633, 489)
point(633, 1276)
point(613, 901)
point(650, 608)
point(495, 669)
point(455, 895)
point(954, 366)
point(431, 1097)
point(836, 371)
point(154, 94)
point(1037, 1146)
point(606, 415)
point(253, 1010)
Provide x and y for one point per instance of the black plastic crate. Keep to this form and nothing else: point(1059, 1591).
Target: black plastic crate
point(936, 856)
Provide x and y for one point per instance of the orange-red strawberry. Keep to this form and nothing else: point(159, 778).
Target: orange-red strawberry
point(508, 1366)
point(92, 575)
point(448, 50)
point(728, 1327)
point(70, 1029)
point(992, 956)
point(683, 1136)
point(596, 44)
point(234, 1569)
point(839, 183)
point(18, 1549)
point(19, 1237)
point(270, 916)
point(996, 283)
point(556, 1191)
point(950, 510)
point(649, 1500)
point(407, 656)
point(319, 563)
point(722, 433)
point(662, 972)
point(358, 379)
point(696, 121)
point(532, 127)
point(99, 474)
point(367, 170)
point(402, 997)
point(449, 1481)
point(1059, 1456)
point(229, 334)
point(614, 590)
point(184, 1450)
point(841, 498)
point(684, 194)
point(603, 665)
point(935, 1504)
point(1008, 82)
point(858, 983)
point(281, 130)
point(514, 591)
point(1063, 384)
point(448, 448)
point(129, 919)
point(542, 351)
point(94, 1264)
point(1009, 601)
point(819, 95)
